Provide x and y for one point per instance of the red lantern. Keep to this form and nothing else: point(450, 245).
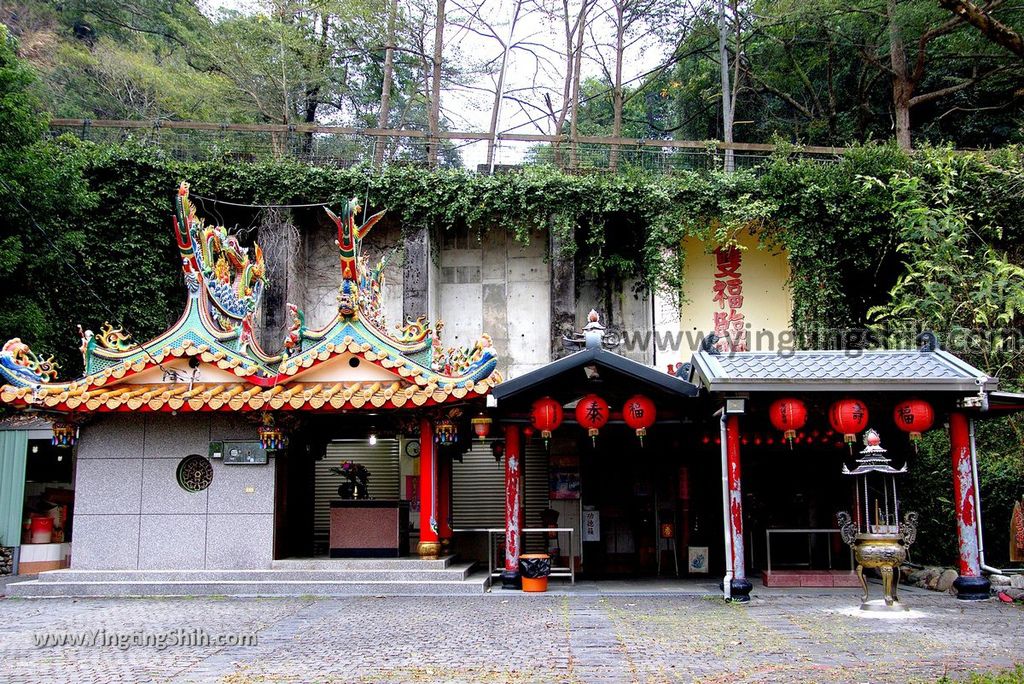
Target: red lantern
point(592, 414)
point(848, 416)
point(914, 416)
point(789, 415)
point(546, 416)
point(639, 414)
point(481, 425)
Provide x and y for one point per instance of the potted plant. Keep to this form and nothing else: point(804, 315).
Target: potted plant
point(358, 477)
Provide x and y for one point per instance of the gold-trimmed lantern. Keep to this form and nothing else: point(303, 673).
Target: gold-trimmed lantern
point(272, 436)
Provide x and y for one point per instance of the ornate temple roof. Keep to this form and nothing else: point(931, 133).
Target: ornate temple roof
point(210, 360)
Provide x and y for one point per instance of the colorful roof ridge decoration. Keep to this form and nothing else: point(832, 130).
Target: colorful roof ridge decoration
point(225, 283)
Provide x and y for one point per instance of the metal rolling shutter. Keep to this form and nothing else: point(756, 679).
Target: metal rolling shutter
point(478, 484)
point(382, 462)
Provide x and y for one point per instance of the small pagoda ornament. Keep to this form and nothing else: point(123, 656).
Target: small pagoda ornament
point(878, 539)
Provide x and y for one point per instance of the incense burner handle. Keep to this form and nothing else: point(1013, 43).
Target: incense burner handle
point(908, 528)
point(847, 528)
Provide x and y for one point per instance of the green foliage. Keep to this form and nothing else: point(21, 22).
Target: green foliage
point(1014, 676)
point(42, 196)
point(957, 279)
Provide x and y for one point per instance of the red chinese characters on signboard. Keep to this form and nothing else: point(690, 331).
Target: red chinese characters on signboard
point(728, 295)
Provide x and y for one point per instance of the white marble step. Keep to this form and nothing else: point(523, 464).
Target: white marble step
point(475, 584)
point(361, 563)
point(453, 572)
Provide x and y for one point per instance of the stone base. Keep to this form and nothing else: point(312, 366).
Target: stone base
point(429, 550)
point(6, 560)
point(511, 580)
point(969, 588)
point(741, 590)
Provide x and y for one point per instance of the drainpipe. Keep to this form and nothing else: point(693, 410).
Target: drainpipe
point(977, 503)
point(726, 518)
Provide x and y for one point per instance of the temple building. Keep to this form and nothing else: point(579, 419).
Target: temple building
point(362, 434)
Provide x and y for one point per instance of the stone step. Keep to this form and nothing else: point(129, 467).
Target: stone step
point(475, 584)
point(454, 572)
point(361, 563)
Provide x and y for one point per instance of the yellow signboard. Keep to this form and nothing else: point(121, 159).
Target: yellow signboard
point(742, 294)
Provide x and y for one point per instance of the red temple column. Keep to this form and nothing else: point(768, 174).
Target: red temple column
point(971, 585)
point(429, 546)
point(513, 508)
point(740, 588)
point(444, 500)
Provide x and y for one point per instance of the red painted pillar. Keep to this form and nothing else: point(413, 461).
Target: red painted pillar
point(740, 585)
point(513, 507)
point(444, 500)
point(429, 547)
point(970, 585)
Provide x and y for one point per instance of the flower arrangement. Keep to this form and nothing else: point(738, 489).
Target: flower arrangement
point(353, 471)
point(358, 477)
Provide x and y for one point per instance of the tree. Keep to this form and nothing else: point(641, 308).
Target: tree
point(42, 196)
point(981, 17)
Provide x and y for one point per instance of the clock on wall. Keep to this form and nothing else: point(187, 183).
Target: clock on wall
point(412, 448)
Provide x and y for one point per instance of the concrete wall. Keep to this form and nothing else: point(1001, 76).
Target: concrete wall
point(527, 300)
point(495, 285)
point(622, 311)
point(322, 275)
point(130, 512)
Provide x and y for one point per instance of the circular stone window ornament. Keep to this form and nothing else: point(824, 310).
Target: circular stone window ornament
point(195, 473)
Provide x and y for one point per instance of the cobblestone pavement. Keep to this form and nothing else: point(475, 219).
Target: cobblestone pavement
point(514, 638)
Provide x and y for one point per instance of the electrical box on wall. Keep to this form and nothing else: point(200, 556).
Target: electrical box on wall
point(239, 453)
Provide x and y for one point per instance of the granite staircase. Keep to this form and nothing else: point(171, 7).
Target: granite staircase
point(291, 577)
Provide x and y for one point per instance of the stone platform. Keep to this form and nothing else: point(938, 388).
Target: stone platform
point(292, 577)
point(810, 578)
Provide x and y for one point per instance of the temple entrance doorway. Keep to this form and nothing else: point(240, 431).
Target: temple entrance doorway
point(653, 505)
point(307, 484)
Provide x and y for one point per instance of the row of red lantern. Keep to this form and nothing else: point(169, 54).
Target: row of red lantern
point(592, 413)
point(849, 416)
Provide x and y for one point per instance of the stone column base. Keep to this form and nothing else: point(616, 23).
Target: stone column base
point(429, 550)
point(969, 588)
point(510, 580)
point(740, 590)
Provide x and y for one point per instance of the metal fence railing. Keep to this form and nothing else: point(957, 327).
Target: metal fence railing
point(495, 564)
point(342, 146)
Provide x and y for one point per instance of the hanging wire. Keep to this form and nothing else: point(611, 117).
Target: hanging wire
point(261, 206)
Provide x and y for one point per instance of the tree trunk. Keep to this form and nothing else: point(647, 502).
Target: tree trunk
point(385, 90)
point(620, 35)
point(901, 113)
point(902, 86)
point(435, 86)
point(500, 89)
point(313, 93)
point(575, 100)
point(723, 56)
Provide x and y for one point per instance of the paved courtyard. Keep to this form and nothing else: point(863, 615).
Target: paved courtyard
point(508, 638)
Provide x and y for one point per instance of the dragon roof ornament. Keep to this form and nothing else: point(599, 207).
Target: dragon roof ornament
point(225, 282)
